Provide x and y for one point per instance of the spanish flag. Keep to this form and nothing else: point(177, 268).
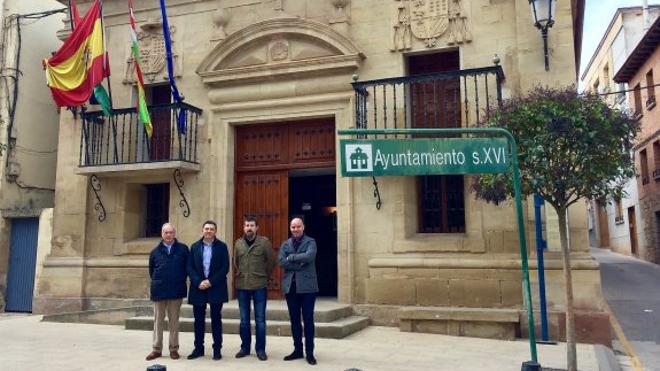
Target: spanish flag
point(80, 64)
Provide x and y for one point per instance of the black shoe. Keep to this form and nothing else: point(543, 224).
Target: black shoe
point(295, 355)
point(310, 359)
point(196, 354)
point(217, 355)
point(262, 356)
point(242, 353)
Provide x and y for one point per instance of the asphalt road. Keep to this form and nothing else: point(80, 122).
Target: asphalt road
point(632, 289)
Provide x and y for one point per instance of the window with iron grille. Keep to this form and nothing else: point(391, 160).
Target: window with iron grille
point(436, 104)
point(157, 210)
point(644, 166)
point(637, 95)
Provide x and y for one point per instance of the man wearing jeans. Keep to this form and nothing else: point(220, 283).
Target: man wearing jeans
point(167, 269)
point(298, 260)
point(254, 262)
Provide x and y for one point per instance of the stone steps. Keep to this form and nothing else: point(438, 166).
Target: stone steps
point(332, 320)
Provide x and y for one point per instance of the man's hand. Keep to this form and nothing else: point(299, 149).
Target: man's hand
point(204, 285)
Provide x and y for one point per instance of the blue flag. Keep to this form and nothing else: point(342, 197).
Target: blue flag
point(181, 119)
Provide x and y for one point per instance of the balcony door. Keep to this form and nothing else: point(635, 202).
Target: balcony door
point(435, 103)
point(160, 146)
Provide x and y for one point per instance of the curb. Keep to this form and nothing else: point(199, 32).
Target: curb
point(606, 359)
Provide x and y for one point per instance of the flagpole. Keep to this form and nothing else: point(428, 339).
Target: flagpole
point(113, 118)
point(105, 56)
point(70, 16)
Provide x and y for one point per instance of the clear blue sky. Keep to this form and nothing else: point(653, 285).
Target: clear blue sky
point(597, 16)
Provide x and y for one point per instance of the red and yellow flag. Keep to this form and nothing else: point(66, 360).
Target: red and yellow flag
point(78, 66)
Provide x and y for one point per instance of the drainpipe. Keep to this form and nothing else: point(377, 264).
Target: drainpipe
point(645, 14)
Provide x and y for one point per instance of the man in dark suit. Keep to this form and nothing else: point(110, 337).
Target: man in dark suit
point(297, 259)
point(167, 269)
point(208, 265)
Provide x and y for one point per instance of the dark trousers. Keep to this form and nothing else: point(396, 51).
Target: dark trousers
point(301, 304)
point(199, 311)
point(259, 298)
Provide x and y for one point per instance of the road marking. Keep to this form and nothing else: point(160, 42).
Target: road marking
point(627, 347)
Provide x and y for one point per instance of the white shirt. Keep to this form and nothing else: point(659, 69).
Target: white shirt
point(207, 253)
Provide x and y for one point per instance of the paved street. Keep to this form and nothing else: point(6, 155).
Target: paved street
point(632, 289)
point(28, 344)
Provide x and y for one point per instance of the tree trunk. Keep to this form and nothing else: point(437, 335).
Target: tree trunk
point(571, 353)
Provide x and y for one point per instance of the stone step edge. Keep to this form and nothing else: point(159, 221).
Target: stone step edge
point(336, 323)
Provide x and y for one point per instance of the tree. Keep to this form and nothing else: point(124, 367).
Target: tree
point(570, 147)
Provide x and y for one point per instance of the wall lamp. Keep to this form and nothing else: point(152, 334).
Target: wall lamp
point(543, 13)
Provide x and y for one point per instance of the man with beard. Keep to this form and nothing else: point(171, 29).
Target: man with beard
point(254, 262)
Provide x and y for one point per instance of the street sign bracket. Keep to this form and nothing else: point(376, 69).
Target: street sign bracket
point(379, 202)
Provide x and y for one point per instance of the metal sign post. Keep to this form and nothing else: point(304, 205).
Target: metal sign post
point(423, 156)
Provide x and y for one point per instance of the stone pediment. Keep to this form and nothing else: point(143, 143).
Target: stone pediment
point(279, 48)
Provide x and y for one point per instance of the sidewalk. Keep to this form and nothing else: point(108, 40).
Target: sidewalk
point(28, 344)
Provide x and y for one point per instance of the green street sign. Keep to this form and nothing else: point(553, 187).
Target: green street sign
point(423, 156)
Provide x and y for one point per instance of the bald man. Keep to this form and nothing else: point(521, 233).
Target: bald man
point(298, 261)
point(167, 269)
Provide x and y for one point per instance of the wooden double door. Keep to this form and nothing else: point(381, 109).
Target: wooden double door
point(265, 154)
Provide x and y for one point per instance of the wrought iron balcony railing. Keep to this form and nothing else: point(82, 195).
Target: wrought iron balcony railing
point(121, 139)
point(448, 99)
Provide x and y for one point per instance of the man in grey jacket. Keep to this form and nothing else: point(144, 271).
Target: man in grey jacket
point(297, 258)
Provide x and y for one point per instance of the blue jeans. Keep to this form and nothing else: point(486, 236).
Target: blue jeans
point(259, 298)
point(302, 304)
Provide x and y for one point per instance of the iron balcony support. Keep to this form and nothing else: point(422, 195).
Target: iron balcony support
point(95, 184)
point(183, 203)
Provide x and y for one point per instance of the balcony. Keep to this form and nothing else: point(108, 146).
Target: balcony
point(118, 145)
point(442, 100)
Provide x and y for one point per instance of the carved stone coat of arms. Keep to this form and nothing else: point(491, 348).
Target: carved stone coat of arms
point(152, 55)
point(429, 19)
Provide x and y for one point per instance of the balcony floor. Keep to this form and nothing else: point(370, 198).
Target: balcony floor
point(139, 169)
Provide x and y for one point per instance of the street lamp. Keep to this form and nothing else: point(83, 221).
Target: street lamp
point(543, 12)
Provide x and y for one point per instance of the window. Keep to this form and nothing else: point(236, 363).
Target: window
point(595, 87)
point(441, 200)
point(157, 208)
point(650, 89)
point(606, 79)
point(618, 211)
point(644, 166)
point(637, 95)
point(656, 160)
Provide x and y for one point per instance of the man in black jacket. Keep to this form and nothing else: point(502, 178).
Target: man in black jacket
point(208, 265)
point(167, 269)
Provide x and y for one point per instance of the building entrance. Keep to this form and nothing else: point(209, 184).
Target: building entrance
point(313, 197)
point(274, 165)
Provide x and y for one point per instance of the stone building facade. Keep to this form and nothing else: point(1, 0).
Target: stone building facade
point(640, 72)
point(28, 146)
point(615, 219)
point(272, 79)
